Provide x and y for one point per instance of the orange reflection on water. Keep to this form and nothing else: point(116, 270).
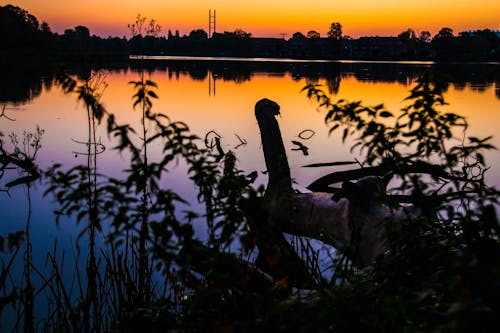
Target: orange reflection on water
point(227, 108)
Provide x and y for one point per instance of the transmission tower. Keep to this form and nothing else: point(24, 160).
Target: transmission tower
point(211, 23)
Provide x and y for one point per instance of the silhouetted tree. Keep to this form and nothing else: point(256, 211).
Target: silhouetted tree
point(76, 41)
point(19, 30)
point(21, 33)
point(240, 33)
point(296, 45)
point(313, 34)
point(445, 45)
point(409, 41)
point(335, 31)
point(423, 45)
point(45, 27)
point(145, 36)
point(425, 37)
point(20, 16)
point(82, 32)
point(407, 35)
point(198, 34)
point(298, 35)
point(238, 43)
point(336, 49)
point(445, 33)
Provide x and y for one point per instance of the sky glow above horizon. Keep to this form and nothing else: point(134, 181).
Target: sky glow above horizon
point(269, 18)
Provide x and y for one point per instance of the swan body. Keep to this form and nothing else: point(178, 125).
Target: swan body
point(353, 218)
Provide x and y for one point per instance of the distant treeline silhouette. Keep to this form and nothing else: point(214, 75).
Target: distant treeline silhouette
point(21, 34)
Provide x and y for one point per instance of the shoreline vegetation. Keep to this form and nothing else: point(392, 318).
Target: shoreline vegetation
point(24, 38)
point(439, 272)
point(417, 247)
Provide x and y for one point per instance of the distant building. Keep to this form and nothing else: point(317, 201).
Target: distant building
point(472, 33)
point(377, 48)
point(312, 48)
point(269, 47)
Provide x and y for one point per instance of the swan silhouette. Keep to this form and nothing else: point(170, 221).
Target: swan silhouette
point(352, 219)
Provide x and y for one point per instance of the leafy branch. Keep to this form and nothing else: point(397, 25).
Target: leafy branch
point(418, 140)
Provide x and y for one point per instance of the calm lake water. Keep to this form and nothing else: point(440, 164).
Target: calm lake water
point(220, 96)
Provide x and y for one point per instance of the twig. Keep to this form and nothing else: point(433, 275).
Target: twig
point(242, 141)
point(300, 147)
point(4, 115)
point(306, 134)
point(211, 145)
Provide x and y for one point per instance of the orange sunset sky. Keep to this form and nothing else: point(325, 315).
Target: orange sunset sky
point(269, 18)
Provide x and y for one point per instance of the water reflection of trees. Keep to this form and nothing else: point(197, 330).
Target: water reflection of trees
point(199, 70)
point(22, 83)
point(478, 77)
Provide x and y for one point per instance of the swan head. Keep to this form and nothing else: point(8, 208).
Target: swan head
point(266, 108)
